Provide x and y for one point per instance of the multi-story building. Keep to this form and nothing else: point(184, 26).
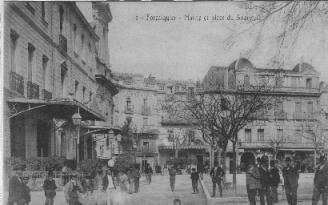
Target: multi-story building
point(54, 67)
point(293, 124)
point(141, 99)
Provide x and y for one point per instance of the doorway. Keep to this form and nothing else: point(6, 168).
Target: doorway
point(43, 139)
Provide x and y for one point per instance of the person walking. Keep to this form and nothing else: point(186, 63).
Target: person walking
point(253, 183)
point(172, 174)
point(65, 177)
point(16, 188)
point(321, 181)
point(131, 175)
point(148, 172)
point(26, 191)
point(217, 174)
point(71, 190)
point(110, 188)
point(274, 180)
point(264, 180)
point(194, 180)
point(136, 179)
point(49, 187)
point(101, 183)
point(291, 175)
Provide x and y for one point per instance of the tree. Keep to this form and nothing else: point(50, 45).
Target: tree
point(291, 21)
point(276, 142)
point(128, 137)
point(221, 112)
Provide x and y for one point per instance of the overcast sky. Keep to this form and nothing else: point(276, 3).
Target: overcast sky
point(186, 49)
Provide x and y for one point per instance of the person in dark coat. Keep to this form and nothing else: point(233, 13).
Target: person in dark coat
point(172, 174)
point(194, 180)
point(16, 188)
point(252, 181)
point(321, 182)
point(148, 172)
point(26, 191)
point(71, 190)
point(49, 187)
point(217, 174)
point(291, 175)
point(136, 180)
point(264, 180)
point(274, 180)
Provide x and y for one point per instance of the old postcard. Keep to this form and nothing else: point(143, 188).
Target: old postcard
point(144, 102)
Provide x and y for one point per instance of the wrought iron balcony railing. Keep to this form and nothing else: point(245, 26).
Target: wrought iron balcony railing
point(17, 83)
point(63, 42)
point(32, 90)
point(145, 149)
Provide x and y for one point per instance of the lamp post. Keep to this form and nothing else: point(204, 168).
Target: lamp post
point(119, 139)
point(76, 118)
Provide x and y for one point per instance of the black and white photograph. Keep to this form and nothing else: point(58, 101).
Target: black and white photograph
point(143, 102)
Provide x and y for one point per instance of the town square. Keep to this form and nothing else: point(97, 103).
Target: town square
point(132, 102)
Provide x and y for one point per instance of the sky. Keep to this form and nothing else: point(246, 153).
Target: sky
point(186, 49)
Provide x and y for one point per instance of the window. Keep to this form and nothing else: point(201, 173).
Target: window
point(75, 37)
point(310, 107)
point(63, 77)
point(145, 121)
point(89, 53)
point(190, 92)
point(279, 107)
point(170, 89)
point(44, 71)
point(13, 45)
point(76, 87)
point(83, 93)
point(128, 103)
point(293, 82)
point(107, 142)
point(248, 135)
point(280, 133)
point(309, 83)
point(170, 135)
point(145, 145)
point(31, 49)
point(260, 135)
point(61, 18)
point(246, 80)
point(298, 107)
point(90, 96)
point(224, 104)
point(145, 101)
point(82, 46)
point(43, 10)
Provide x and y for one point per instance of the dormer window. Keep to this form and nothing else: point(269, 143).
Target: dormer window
point(308, 83)
point(246, 80)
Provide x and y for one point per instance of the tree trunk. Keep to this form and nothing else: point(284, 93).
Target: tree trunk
point(223, 162)
point(176, 150)
point(234, 169)
point(315, 158)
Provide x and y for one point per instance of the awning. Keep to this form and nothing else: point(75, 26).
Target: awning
point(184, 147)
point(94, 129)
point(149, 132)
point(106, 82)
point(57, 108)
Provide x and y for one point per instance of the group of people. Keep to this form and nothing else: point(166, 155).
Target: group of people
point(264, 180)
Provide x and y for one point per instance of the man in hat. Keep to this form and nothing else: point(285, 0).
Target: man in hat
point(274, 181)
point(16, 188)
point(26, 190)
point(321, 182)
point(71, 190)
point(291, 175)
point(264, 180)
point(217, 174)
point(49, 187)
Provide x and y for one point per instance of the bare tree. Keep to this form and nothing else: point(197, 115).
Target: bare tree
point(291, 20)
point(276, 142)
point(221, 113)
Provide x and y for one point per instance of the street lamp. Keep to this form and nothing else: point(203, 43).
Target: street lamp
point(76, 118)
point(119, 139)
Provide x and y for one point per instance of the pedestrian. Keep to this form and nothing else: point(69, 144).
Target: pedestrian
point(120, 195)
point(194, 180)
point(217, 174)
point(291, 175)
point(49, 187)
point(110, 188)
point(65, 177)
point(136, 179)
point(87, 195)
point(274, 180)
point(131, 176)
point(72, 189)
point(26, 190)
point(264, 180)
point(101, 183)
point(16, 188)
point(321, 181)
point(172, 174)
point(148, 172)
point(176, 202)
point(253, 183)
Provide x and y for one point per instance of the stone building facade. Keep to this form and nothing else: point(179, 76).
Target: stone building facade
point(51, 64)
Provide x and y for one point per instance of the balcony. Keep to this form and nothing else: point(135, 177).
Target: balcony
point(280, 115)
point(145, 110)
point(260, 116)
point(128, 110)
point(62, 42)
point(32, 90)
point(46, 95)
point(146, 149)
point(305, 116)
point(17, 83)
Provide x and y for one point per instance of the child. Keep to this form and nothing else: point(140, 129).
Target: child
point(194, 180)
point(49, 187)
